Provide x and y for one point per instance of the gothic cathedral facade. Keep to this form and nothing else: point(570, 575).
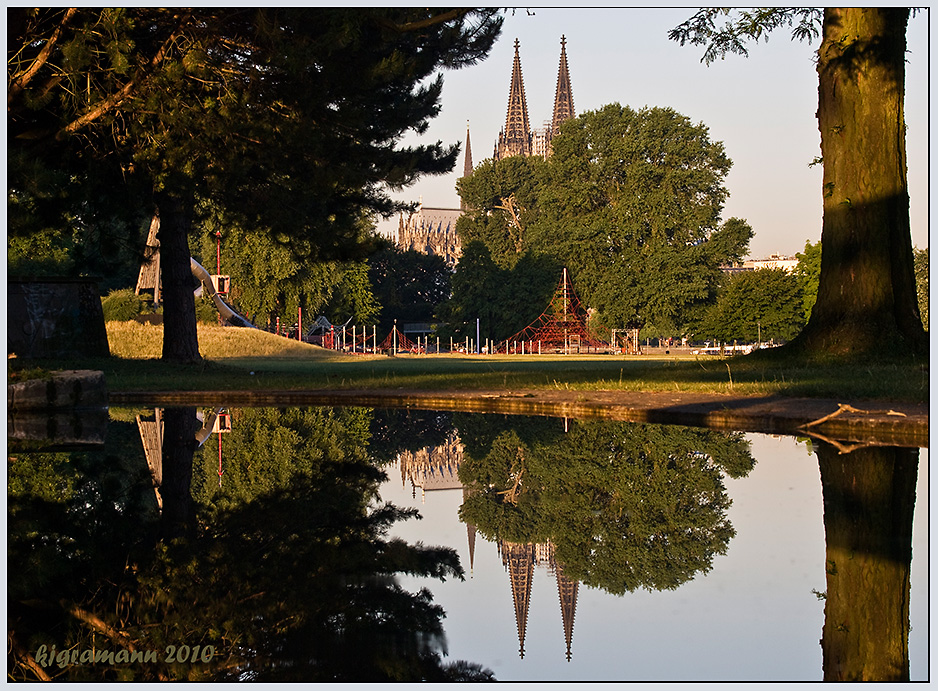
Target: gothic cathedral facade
point(433, 230)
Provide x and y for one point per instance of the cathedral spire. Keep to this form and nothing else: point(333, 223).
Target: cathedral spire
point(467, 165)
point(563, 100)
point(515, 139)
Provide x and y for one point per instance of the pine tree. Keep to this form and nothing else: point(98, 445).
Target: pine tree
point(288, 119)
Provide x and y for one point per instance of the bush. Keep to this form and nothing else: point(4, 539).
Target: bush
point(205, 312)
point(123, 305)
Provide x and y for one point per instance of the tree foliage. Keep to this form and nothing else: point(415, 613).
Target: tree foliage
point(921, 283)
point(765, 304)
point(808, 273)
point(268, 282)
point(629, 202)
point(252, 109)
point(408, 285)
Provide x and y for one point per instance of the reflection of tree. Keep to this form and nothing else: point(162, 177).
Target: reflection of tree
point(394, 430)
point(294, 579)
point(869, 498)
point(625, 506)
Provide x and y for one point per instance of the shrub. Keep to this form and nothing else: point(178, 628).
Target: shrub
point(123, 305)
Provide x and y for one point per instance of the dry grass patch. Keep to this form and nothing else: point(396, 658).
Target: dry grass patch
point(132, 340)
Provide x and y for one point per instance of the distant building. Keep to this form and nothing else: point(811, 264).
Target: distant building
point(432, 230)
point(517, 138)
point(773, 261)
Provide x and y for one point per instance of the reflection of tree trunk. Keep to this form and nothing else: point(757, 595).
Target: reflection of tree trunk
point(869, 497)
point(180, 427)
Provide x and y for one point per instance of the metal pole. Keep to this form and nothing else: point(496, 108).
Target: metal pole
point(374, 334)
point(477, 335)
point(394, 336)
point(299, 323)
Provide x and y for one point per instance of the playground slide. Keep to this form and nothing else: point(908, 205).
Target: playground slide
point(230, 317)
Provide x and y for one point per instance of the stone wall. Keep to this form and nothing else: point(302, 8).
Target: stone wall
point(55, 318)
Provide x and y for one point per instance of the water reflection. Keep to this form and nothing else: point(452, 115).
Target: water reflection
point(273, 547)
point(869, 496)
point(285, 572)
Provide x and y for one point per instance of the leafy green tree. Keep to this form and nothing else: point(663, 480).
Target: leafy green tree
point(629, 201)
point(764, 304)
point(267, 282)
point(633, 207)
point(921, 283)
point(504, 300)
point(503, 202)
point(866, 294)
point(808, 273)
point(408, 285)
point(252, 109)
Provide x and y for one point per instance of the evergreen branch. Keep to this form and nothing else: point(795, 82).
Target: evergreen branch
point(115, 100)
point(425, 23)
point(22, 79)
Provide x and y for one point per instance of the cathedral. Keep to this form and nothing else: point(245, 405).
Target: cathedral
point(433, 230)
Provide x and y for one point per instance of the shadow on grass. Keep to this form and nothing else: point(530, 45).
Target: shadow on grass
point(757, 374)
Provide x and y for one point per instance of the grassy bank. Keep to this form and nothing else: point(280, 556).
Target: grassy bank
point(241, 359)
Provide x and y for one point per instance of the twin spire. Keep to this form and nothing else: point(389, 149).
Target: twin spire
point(517, 138)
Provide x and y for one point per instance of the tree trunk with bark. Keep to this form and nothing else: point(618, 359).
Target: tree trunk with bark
point(869, 498)
point(866, 303)
point(180, 336)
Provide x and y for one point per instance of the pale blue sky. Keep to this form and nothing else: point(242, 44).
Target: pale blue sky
point(762, 107)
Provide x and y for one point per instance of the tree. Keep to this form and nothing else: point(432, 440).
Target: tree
point(250, 108)
point(866, 295)
point(764, 304)
point(267, 282)
point(503, 201)
point(408, 285)
point(808, 273)
point(629, 201)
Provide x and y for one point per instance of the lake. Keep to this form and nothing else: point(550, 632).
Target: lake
point(284, 544)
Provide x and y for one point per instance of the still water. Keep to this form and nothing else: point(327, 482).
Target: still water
point(359, 544)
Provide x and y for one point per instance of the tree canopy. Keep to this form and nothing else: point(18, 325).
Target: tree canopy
point(254, 109)
point(629, 201)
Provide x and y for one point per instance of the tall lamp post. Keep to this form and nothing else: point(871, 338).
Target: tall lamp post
point(217, 274)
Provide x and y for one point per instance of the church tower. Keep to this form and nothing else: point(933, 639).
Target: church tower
point(563, 99)
point(467, 166)
point(515, 139)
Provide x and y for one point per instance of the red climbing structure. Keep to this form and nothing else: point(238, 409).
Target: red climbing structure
point(398, 342)
point(562, 326)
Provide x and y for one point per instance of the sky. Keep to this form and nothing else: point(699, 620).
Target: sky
point(762, 108)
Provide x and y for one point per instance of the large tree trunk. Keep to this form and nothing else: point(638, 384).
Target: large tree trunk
point(866, 302)
point(869, 497)
point(180, 337)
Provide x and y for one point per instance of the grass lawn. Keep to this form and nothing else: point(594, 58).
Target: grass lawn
point(244, 359)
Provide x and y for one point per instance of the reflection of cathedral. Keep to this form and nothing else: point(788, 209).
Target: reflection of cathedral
point(437, 468)
point(432, 230)
point(519, 560)
point(434, 467)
